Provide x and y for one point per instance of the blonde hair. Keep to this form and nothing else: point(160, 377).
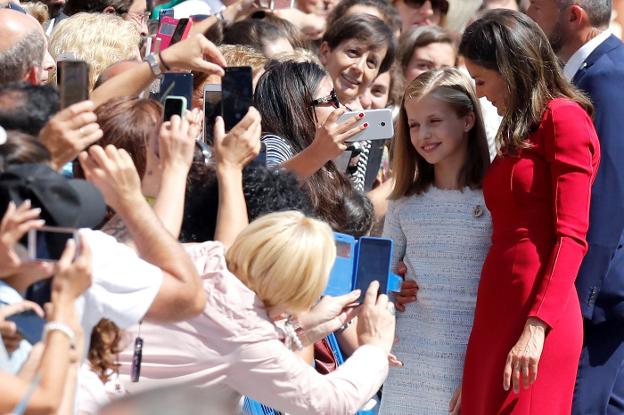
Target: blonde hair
point(285, 258)
point(97, 38)
point(413, 175)
point(38, 10)
point(298, 55)
point(240, 55)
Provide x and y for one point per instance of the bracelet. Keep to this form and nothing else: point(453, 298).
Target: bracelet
point(62, 327)
point(291, 327)
point(163, 63)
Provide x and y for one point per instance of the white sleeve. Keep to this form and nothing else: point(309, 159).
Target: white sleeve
point(392, 229)
point(124, 286)
point(271, 374)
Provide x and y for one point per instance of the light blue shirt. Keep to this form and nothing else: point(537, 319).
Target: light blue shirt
point(12, 362)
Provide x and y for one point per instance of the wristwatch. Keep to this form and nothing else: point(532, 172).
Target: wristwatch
point(154, 64)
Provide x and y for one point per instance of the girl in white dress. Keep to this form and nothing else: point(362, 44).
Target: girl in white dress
point(441, 231)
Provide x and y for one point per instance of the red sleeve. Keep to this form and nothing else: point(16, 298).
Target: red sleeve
point(572, 150)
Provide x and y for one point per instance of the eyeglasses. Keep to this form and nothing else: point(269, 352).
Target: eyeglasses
point(332, 98)
point(440, 5)
point(140, 18)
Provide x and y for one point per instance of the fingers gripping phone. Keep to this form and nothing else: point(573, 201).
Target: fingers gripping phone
point(212, 109)
point(237, 89)
point(73, 81)
point(374, 258)
point(380, 125)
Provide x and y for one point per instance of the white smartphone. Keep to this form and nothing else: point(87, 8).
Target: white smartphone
point(380, 126)
point(48, 242)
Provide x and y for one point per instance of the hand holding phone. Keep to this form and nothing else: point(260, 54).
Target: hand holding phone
point(29, 325)
point(47, 243)
point(379, 124)
point(174, 105)
point(212, 109)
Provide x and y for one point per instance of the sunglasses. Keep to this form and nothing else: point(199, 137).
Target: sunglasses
point(332, 98)
point(440, 5)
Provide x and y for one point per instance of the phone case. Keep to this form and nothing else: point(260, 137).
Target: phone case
point(341, 277)
point(166, 30)
point(384, 279)
point(380, 125)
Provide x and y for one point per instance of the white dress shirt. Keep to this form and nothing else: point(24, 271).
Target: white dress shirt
point(577, 60)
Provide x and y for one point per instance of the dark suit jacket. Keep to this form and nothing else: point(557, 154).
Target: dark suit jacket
point(600, 282)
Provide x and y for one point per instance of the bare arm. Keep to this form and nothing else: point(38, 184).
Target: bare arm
point(233, 151)
point(181, 295)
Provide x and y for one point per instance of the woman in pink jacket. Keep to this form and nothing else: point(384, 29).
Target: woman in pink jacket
point(278, 266)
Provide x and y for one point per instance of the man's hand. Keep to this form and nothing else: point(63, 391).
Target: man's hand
point(195, 53)
point(112, 171)
point(69, 132)
point(177, 141)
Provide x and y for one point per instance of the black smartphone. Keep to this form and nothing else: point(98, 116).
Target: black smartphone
point(178, 84)
point(374, 257)
point(212, 109)
point(73, 81)
point(174, 106)
point(179, 31)
point(29, 325)
point(237, 90)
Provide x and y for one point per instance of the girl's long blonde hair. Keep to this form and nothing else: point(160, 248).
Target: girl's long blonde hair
point(412, 173)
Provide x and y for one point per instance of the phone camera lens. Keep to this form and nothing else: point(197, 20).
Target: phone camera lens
point(383, 124)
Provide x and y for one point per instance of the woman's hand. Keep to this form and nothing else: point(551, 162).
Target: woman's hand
point(409, 289)
point(328, 315)
point(8, 330)
point(330, 137)
point(16, 222)
point(523, 359)
point(376, 322)
point(241, 144)
point(176, 146)
point(72, 275)
point(455, 403)
point(195, 53)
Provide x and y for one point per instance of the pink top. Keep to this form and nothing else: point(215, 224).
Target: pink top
point(233, 348)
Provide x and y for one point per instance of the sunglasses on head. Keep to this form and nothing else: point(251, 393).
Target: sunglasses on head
point(439, 5)
point(332, 98)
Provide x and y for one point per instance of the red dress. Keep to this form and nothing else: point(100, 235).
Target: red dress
point(539, 201)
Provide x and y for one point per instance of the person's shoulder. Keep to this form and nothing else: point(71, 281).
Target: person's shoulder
point(562, 108)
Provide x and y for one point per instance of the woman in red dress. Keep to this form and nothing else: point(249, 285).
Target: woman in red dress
point(526, 340)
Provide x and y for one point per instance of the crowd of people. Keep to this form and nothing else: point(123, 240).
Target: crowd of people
point(168, 265)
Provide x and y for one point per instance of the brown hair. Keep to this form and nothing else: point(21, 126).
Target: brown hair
point(413, 175)
point(105, 345)
point(20, 148)
point(512, 44)
point(130, 123)
point(418, 37)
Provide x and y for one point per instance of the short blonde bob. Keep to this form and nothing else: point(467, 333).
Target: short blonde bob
point(99, 39)
point(285, 258)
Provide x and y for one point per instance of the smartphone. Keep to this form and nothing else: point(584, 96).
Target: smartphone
point(212, 109)
point(237, 90)
point(380, 125)
point(73, 80)
point(373, 261)
point(341, 276)
point(166, 30)
point(174, 105)
point(29, 325)
point(176, 84)
point(48, 242)
point(181, 31)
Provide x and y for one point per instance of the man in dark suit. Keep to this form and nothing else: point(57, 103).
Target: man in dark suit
point(594, 62)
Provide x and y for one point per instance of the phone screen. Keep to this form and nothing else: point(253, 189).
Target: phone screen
point(212, 109)
point(173, 106)
point(182, 86)
point(73, 78)
point(48, 243)
point(237, 94)
point(179, 31)
point(29, 324)
point(373, 264)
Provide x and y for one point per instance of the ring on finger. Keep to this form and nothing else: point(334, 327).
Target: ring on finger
point(82, 131)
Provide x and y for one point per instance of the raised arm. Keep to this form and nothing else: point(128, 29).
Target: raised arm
point(112, 171)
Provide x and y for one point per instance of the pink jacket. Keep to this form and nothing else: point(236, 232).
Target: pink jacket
point(233, 348)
